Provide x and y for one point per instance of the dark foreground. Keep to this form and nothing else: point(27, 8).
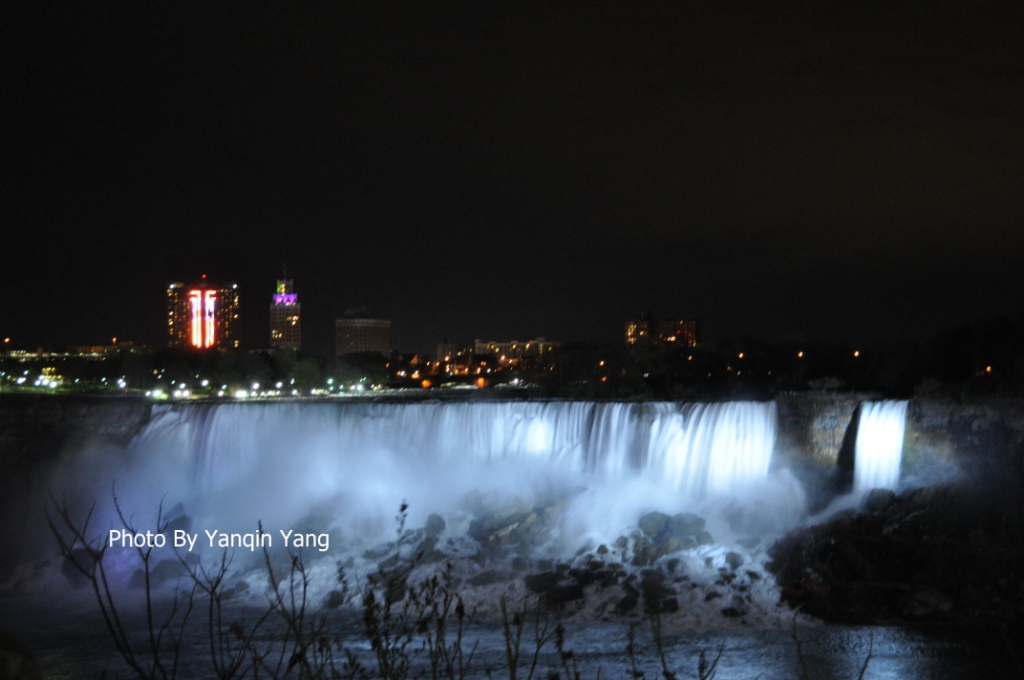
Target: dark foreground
point(73, 644)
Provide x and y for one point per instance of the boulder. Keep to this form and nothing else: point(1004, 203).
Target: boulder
point(435, 525)
point(486, 578)
point(653, 523)
point(733, 559)
point(542, 582)
point(685, 525)
point(562, 594)
point(878, 500)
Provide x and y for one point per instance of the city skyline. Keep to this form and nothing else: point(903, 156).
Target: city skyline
point(772, 170)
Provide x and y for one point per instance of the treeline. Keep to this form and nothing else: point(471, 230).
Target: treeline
point(984, 357)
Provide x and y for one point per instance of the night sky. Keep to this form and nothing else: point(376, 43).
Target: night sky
point(511, 170)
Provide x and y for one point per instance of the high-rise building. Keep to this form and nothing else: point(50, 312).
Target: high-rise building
point(285, 317)
point(355, 331)
point(203, 315)
point(645, 331)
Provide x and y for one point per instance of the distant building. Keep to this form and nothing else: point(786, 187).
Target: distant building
point(512, 352)
point(355, 331)
point(285, 317)
point(202, 315)
point(454, 353)
point(647, 332)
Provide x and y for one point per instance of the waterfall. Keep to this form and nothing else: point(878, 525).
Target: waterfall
point(879, 445)
point(232, 464)
point(695, 448)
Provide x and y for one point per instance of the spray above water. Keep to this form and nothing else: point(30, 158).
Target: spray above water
point(879, 446)
point(231, 465)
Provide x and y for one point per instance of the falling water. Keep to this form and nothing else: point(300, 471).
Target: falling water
point(879, 445)
point(232, 464)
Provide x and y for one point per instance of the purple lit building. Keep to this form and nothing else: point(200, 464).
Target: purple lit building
point(285, 321)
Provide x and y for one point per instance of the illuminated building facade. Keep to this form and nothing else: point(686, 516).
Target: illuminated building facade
point(513, 352)
point(454, 358)
point(285, 317)
point(202, 316)
point(646, 332)
point(357, 332)
point(454, 352)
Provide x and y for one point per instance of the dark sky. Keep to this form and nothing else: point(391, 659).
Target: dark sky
point(509, 170)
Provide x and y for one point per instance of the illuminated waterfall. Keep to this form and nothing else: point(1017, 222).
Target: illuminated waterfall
point(233, 464)
point(879, 445)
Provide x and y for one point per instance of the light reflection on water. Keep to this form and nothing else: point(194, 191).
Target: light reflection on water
point(829, 653)
point(77, 647)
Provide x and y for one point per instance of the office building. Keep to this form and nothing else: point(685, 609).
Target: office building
point(202, 315)
point(357, 332)
point(647, 332)
point(285, 317)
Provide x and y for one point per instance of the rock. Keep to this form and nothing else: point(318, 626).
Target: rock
point(562, 594)
point(379, 551)
point(674, 544)
point(685, 524)
point(703, 538)
point(878, 500)
point(602, 549)
point(179, 523)
point(733, 559)
point(496, 530)
point(426, 552)
point(584, 577)
point(627, 603)
point(159, 574)
point(435, 525)
point(335, 599)
point(621, 543)
point(540, 583)
point(843, 517)
point(713, 595)
point(848, 560)
point(658, 598)
point(486, 578)
point(653, 523)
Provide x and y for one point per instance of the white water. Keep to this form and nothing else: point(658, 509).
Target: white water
point(879, 445)
point(232, 465)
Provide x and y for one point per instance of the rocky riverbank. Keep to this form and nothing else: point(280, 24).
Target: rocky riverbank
point(937, 555)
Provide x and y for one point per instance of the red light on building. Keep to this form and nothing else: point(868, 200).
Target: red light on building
point(201, 316)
